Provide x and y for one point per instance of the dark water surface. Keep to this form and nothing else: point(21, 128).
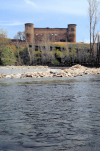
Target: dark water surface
point(50, 114)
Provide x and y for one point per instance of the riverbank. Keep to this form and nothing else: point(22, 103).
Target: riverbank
point(45, 71)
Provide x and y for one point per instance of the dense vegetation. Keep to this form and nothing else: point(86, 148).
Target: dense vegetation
point(52, 54)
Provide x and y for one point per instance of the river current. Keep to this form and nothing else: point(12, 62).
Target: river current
point(50, 114)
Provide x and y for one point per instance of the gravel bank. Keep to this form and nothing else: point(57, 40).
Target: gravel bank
point(44, 71)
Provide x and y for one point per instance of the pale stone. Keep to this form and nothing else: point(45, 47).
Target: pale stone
point(17, 75)
point(69, 74)
point(8, 76)
point(3, 75)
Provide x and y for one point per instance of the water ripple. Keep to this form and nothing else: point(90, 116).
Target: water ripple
point(50, 115)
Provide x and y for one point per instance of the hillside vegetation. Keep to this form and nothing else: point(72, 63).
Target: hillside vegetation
point(52, 54)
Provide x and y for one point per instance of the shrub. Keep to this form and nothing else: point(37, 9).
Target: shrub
point(58, 54)
point(56, 62)
point(7, 57)
point(37, 54)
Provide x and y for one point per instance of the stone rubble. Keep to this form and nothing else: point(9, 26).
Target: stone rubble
point(74, 71)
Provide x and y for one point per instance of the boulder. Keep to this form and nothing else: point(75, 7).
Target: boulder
point(18, 76)
point(3, 75)
point(29, 75)
point(8, 76)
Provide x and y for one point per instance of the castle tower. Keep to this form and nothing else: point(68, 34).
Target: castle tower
point(29, 33)
point(72, 33)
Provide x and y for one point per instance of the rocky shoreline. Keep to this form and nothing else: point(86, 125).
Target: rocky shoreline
point(74, 71)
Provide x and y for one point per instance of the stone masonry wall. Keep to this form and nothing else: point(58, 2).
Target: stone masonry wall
point(50, 34)
point(39, 35)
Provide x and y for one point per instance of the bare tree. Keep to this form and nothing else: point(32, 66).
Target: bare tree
point(33, 50)
point(93, 12)
point(23, 35)
point(17, 37)
point(20, 35)
point(3, 38)
point(45, 48)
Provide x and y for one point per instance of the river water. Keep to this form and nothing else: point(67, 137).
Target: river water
point(50, 114)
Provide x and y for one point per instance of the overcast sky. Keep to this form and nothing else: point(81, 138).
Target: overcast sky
point(45, 13)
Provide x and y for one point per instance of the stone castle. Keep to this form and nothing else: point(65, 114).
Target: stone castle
point(53, 34)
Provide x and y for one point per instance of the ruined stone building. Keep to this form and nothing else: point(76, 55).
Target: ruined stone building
point(39, 35)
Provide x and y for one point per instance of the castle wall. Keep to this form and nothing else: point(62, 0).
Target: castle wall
point(50, 34)
point(18, 43)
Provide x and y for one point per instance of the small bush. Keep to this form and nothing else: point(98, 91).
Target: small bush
point(56, 62)
point(7, 57)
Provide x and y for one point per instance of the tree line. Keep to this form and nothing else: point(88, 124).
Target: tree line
point(59, 55)
point(47, 53)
